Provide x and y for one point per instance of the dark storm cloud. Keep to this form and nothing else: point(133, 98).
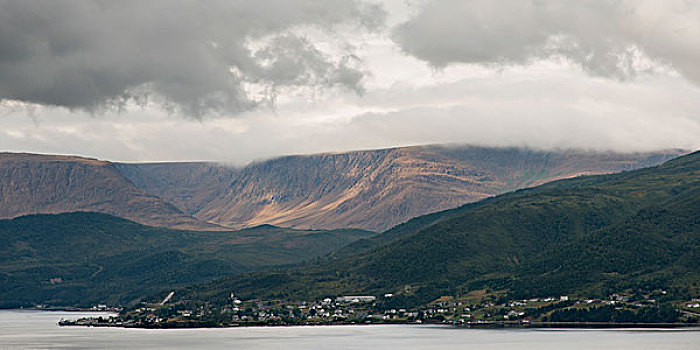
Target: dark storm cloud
point(193, 55)
point(616, 38)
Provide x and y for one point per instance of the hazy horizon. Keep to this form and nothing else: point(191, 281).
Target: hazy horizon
point(263, 159)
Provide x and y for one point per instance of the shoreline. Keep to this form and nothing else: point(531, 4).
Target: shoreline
point(95, 322)
point(61, 308)
point(470, 325)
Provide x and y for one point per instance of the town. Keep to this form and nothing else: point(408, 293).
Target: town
point(477, 308)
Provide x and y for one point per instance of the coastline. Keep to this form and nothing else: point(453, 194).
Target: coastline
point(474, 325)
point(66, 309)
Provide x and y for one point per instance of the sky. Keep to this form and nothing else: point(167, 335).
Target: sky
point(238, 81)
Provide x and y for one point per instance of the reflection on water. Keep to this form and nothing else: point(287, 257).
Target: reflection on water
point(38, 330)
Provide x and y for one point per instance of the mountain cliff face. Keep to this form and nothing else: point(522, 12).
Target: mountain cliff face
point(31, 184)
point(187, 185)
point(372, 190)
point(378, 189)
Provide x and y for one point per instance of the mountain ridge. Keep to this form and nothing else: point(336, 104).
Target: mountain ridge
point(378, 189)
point(50, 184)
point(372, 190)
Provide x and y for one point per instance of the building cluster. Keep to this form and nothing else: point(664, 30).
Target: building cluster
point(364, 309)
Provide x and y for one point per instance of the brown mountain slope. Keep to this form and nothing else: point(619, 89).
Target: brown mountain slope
point(378, 189)
point(187, 185)
point(372, 190)
point(31, 184)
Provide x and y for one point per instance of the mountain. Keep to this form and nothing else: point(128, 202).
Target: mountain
point(87, 258)
point(187, 185)
point(588, 236)
point(372, 190)
point(33, 184)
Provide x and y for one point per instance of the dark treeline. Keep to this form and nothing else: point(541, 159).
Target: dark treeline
point(609, 313)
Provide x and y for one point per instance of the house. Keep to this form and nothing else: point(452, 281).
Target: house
point(355, 299)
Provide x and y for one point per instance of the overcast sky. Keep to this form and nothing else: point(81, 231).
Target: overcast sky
point(241, 80)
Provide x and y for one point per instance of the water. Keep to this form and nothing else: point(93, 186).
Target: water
point(38, 330)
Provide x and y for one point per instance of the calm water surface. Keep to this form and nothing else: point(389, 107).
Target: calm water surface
point(38, 330)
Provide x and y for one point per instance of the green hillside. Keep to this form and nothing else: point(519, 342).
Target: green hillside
point(86, 258)
point(587, 236)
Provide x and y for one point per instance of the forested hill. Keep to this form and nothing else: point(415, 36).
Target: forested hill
point(83, 258)
point(587, 236)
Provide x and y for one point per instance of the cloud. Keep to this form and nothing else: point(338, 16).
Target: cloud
point(611, 38)
point(532, 107)
point(196, 57)
point(514, 73)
